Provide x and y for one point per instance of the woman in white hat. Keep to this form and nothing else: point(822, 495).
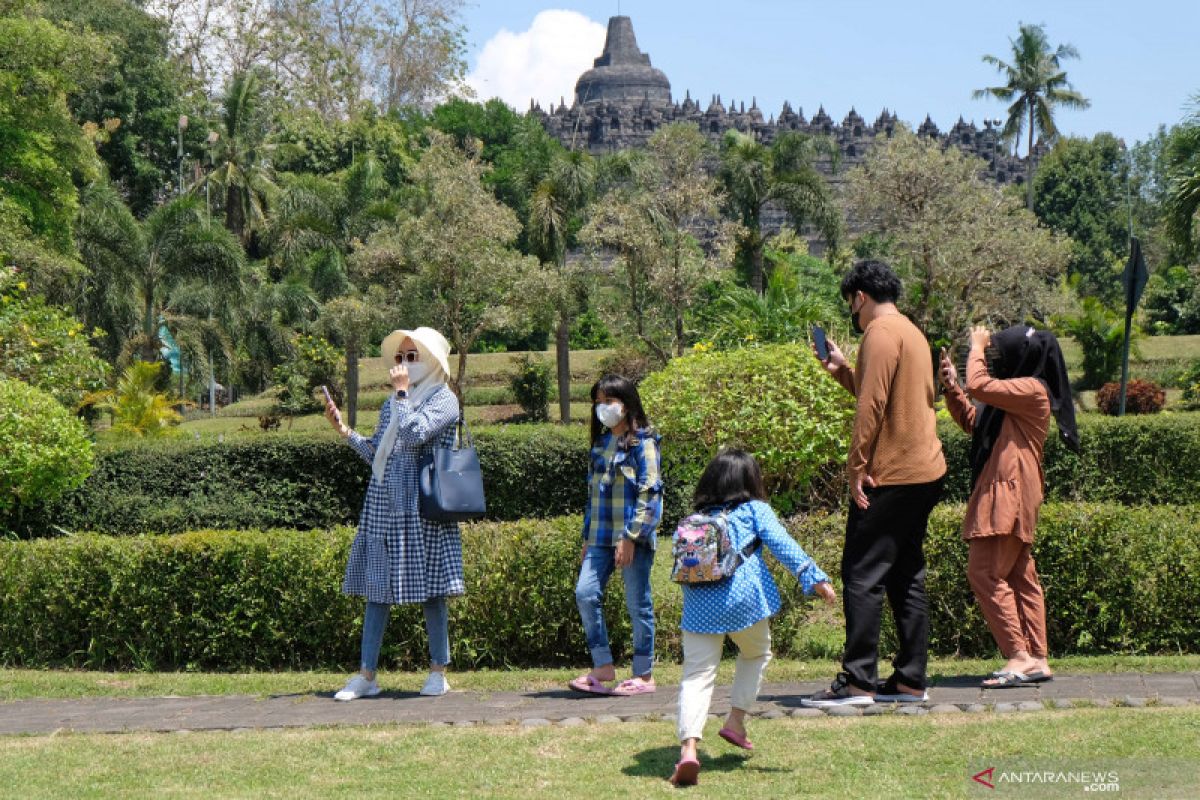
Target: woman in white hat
point(397, 556)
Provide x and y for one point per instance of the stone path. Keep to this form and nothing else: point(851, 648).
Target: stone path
point(563, 707)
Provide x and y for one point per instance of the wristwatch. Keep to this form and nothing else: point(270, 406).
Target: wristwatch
point(401, 394)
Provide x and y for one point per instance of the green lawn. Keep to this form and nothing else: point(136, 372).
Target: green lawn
point(884, 757)
point(17, 684)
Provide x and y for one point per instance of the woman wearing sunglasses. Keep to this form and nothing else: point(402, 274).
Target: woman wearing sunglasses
point(397, 556)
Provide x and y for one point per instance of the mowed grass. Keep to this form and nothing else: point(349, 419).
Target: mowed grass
point(881, 757)
point(19, 684)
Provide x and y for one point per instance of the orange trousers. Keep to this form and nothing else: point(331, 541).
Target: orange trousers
point(1005, 581)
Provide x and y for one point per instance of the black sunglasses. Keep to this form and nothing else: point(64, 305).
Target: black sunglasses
point(411, 356)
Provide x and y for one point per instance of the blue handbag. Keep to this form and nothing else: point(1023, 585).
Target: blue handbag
point(451, 482)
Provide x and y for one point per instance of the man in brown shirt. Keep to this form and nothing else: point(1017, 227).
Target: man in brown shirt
point(896, 470)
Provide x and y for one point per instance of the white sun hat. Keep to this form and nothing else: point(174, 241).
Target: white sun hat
point(427, 340)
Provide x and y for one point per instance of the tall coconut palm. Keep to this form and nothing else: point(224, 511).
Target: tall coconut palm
point(111, 243)
point(554, 210)
point(241, 172)
point(783, 174)
point(1035, 84)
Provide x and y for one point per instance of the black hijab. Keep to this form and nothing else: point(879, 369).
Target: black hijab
point(1023, 352)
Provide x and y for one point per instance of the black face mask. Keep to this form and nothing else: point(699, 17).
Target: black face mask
point(854, 318)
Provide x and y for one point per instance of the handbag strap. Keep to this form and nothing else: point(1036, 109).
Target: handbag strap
point(461, 428)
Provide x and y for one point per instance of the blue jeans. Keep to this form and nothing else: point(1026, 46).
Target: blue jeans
point(437, 626)
point(598, 566)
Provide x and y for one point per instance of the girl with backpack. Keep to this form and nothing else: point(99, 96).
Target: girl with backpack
point(619, 530)
point(732, 511)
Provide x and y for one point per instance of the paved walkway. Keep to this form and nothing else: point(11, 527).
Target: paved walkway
point(564, 707)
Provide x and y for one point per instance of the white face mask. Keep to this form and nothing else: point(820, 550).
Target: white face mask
point(610, 414)
point(417, 370)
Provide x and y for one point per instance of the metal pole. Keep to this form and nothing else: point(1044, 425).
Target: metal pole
point(1128, 297)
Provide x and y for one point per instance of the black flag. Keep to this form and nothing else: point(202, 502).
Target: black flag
point(1134, 277)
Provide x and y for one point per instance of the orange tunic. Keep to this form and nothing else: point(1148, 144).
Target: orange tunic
point(1009, 491)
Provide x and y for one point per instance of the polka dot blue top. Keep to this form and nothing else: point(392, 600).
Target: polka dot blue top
point(750, 594)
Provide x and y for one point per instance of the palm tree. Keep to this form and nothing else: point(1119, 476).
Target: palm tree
point(783, 174)
point(1035, 84)
point(241, 173)
point(554, 210)
point(135, 267)
point(135, 405)
point(319, 222)
point(1183, 174)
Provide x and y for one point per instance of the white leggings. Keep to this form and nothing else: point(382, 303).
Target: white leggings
point(702, 655)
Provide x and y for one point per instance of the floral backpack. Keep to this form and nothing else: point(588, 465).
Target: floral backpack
point(703, 550)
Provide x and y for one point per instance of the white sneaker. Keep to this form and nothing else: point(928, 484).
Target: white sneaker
point(357, 687)
point(436, 685)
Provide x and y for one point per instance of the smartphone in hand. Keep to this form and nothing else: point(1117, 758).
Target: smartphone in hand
point(820, 342)
point(328, 398)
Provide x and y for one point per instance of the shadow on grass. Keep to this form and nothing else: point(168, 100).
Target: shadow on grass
point(659, 763)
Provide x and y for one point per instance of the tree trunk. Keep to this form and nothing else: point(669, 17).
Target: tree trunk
point(460, 376)
point(1029, 164)
point(351, 402)
point(756, 263)
point(562, 357)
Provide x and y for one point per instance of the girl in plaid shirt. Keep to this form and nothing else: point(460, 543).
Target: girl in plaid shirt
point(619, 529)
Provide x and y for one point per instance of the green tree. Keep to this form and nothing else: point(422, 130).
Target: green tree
point(241, 172)
point(756, 176)
point(140, 96)
point(1182, 156)
point(318, 225)
point(451, 252)
point(1035, 85)
point(45, 346)
point(968, 252)
point(649, 220)
point(42, 149)
point(1080, 190)
point(554, 218)
point(178, 247)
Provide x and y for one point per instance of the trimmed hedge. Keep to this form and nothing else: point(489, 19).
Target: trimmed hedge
point(307, 481)
point(1136, 460)
point(1117, 579)
point(296, 481)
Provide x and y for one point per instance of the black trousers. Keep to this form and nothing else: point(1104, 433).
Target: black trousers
point(885, 553)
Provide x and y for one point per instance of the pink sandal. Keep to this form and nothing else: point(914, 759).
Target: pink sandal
point(687, 773)
point(632, 686)
point(735, 739)
point(589, 684)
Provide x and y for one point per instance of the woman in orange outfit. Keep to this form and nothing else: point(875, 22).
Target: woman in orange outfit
point(1018, 380)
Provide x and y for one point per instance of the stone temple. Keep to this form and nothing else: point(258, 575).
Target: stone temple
point(623, 99)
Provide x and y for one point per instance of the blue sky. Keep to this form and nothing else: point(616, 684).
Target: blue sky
point(1139, 64)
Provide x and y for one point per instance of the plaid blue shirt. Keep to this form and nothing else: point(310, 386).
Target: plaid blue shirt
point(624, 490)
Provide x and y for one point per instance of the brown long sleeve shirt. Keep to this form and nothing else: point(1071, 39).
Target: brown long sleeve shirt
point(895, 438)
point(1008, 493)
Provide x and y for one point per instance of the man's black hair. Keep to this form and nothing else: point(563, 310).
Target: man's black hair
point(874, 279)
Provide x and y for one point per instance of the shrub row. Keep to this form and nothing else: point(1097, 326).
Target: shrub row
point(296, 481)
point(1117, 579)
point(307, 481)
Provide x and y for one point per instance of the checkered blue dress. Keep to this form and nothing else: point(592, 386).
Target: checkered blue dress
point(398, 557)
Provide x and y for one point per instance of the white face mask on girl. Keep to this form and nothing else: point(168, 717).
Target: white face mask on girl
point(610, 414)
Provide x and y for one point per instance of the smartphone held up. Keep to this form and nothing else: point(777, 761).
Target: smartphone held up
point(820, 342)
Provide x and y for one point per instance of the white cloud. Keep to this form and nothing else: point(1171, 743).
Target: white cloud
point(541, 63)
